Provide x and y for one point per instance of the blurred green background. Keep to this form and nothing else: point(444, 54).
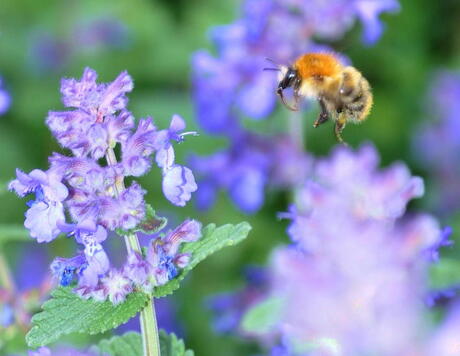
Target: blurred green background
point(154, 41)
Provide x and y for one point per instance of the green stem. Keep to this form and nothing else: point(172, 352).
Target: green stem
point(149, 328)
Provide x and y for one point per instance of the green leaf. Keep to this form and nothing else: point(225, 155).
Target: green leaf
point(213, 239)
point(129, 343)
point(150, 225)
point(67, 313)
point(445, 273)
point(170, 345)
point(262, 317)
point(13, 233)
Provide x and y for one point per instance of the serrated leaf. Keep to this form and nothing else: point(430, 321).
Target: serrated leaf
point(66, 313)
point(170, 345)
point(129, 343)
point(13, 233)
point(445, 273)
point(263, 316)
point(213, 239)
point(150, 225)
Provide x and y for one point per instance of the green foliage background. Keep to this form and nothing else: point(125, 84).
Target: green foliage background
point(161, 36)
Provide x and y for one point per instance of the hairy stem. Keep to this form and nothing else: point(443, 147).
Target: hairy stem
point(149, 328)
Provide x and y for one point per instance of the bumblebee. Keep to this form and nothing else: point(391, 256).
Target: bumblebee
point(344, 95)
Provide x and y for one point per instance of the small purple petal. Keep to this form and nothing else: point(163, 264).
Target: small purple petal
point(178, 184)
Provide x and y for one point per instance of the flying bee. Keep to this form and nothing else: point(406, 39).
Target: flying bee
point(344, 95)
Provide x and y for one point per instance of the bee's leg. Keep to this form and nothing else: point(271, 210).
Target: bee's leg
point(339, 126)
point(323, 115)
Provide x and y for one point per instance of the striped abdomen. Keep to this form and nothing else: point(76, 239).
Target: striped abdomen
point(354, 97)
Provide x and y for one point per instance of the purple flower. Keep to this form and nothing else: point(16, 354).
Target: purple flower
point(138, 270)
point(163, 252)
point(99, 33)
point(178, 184)
point(246, 169)
point(442, 160)
point(136, 150)
point(229, 307)
point(126, 211)
point(116, 286)
point(47, 210)
point(444, 340)
point(357, 267)
point(85, 197)
point(5, 98)
point(368, 12)
point(165, 152)
point(65, 269)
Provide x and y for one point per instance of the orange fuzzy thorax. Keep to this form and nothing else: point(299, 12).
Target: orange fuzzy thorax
point(317, 65)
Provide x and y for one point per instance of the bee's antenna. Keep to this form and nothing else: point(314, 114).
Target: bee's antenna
point(292, 108)
point(271, 60)
point(274, 69)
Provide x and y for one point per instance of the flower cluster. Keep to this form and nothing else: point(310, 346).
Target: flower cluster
point(93, 196)
point(357, 268)
point(232, 85)
point(437, 143)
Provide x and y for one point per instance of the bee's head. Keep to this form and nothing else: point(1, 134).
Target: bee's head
point(288, 77)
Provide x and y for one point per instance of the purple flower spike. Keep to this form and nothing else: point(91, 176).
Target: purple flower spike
point(178, 184)
point(85, 195)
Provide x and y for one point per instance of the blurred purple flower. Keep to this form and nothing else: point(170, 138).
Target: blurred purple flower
point(444, 340)
point(52, 52)
point(5, 98)
point(99, 33)
point(356, 270)
point(437, 143)
point(228, 308)
point(247, 167)
point(48, 53)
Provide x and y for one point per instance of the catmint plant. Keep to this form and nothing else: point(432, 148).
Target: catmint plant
point(85, 196)
point(231, 86)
